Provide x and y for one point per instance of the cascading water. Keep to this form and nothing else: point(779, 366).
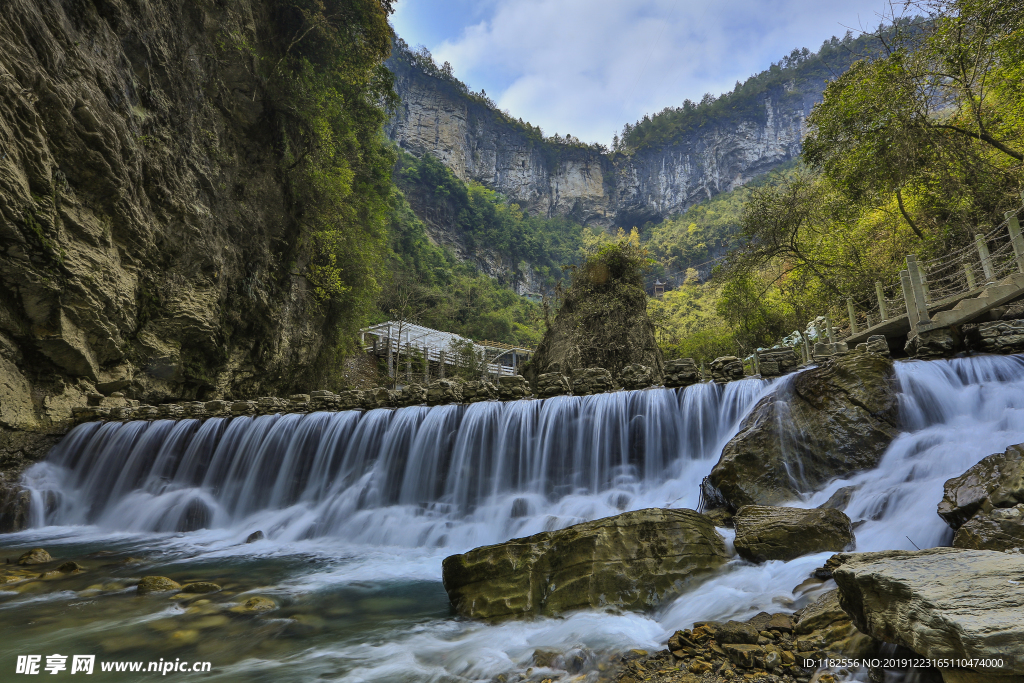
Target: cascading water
point(360, 509)
point(450, 476)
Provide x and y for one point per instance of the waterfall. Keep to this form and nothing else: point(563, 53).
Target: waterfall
point(447, 476)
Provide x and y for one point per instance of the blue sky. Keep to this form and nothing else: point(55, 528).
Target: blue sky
point(586, 67)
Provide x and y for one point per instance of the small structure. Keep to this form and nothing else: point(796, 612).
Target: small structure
point(435, 351)
point(659, 289)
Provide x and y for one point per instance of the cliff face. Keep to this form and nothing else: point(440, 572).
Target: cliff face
point(143, 220)
point(545, 178)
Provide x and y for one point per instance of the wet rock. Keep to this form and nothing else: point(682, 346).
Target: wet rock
point(941, 343)
point(997, 481)
point(1001, 529)
point(838, 419)
point(840, 499)
point(737, 633)
point(681, 372)
point(216, 408)
point(255, 536)
point(442, 391)
point(726, 369)
point(779, 533)
point(157, 584)
point(241, 408)
point(351, 400)
point(35, 556)
point(255, 605)
point(637, 376)
point(15, 508)
point(630, 561)
point(70, 567)
point(513, 387)
point(414, 395)
point(942, 603)
point(200, 587)
point(591, 381)
point(823, 626)
point(552, 384)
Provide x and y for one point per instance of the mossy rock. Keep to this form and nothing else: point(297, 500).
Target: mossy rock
point(631, 561)
point(200, 587)
point(157, 584)
point(35, 556)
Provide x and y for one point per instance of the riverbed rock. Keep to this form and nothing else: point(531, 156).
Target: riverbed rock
point(257, 535)
point(552, 384)
point(726, 369)
point(35, 556)
point(591, 381)
point(942, 603)
point(255, 605)
point(779, 533)
point(157, 584)
point(681, 372)
point(823, 627)
point(825, 423)
point(630, 561)
point(200, 587)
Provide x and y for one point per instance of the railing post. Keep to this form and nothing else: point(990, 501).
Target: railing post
point(908, 298)
point(828, 326)
point(881, 301)
point(440, 364)
point(986, 260)
point(853, 315)
point(757, 363)
point(807, 348)
point(969, 272)
point(1018, 242)
point(917, 288)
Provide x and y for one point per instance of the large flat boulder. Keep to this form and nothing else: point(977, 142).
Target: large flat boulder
point(779, 533)
point(824, 423)
point(942, 603)
point(630, 561)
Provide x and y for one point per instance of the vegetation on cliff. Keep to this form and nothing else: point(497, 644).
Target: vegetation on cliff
point(915, 151)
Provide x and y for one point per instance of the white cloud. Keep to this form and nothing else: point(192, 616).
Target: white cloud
point(586, 67)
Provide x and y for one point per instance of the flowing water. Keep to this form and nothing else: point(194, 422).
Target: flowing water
point(359, 509)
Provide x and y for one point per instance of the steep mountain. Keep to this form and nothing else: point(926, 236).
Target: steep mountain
point(667, 163)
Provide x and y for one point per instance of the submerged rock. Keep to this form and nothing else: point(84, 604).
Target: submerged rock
point(942, 603)
point(257, 535)
point(778, 533)
point(35, 556)
point(255, 605)
point(157, 584)
point(825, 423)
point(630, 561)
point(200, 587)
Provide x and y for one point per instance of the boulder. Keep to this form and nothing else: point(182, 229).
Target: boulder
point(35, 556)
point(997, 481)
point(681, 372)
point(838, 419)
point(413, 395)
point(442, 391)
point(823, 627)
point(634, 560)
point(778, 533)
point(1001, 529)
point(157, 584)
point(942, 603)
point(513, 387)
point(257, 535)
point(726, 369)
point(637, 376)
point(591, 381)
point(552, 384)
point(255, 605)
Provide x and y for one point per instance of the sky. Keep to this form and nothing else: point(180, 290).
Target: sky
point(586, 67)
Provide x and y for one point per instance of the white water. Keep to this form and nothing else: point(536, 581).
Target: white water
point(386, 496)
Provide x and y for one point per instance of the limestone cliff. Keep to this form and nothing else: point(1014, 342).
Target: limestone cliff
point(479, 143)
point(144, 222)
